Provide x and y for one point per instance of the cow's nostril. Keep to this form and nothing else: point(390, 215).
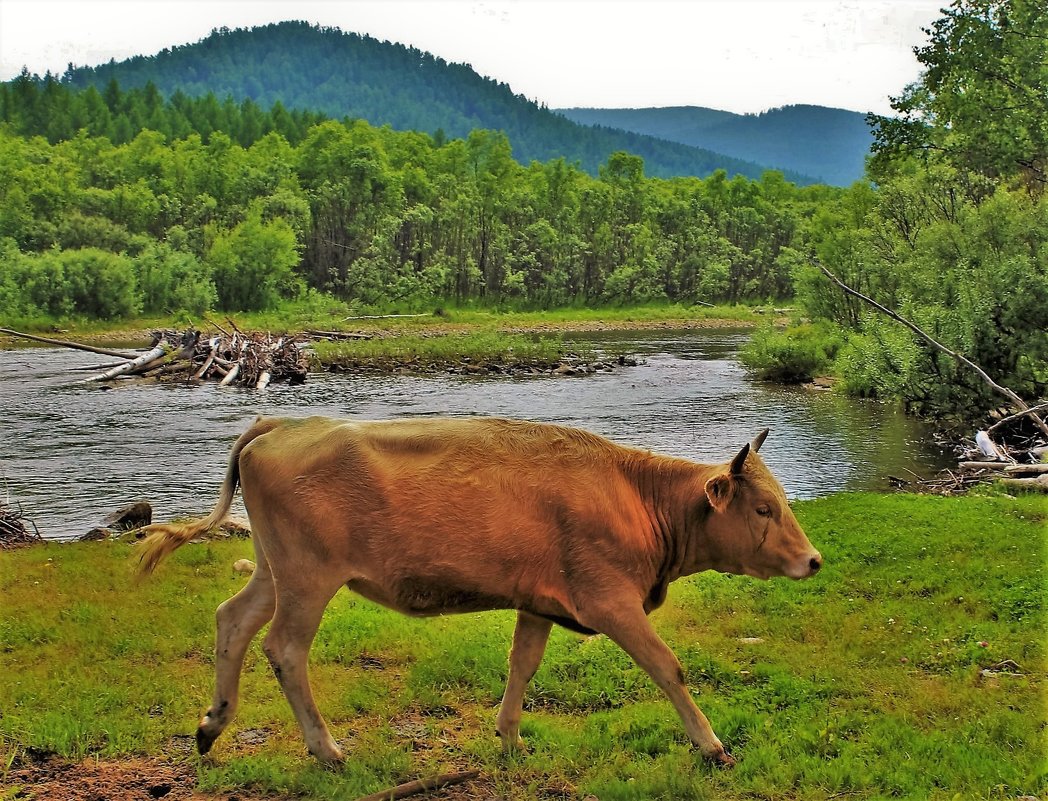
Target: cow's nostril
point(815, 564)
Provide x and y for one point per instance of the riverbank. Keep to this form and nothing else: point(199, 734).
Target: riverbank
point(337, 317)
point(465, 341)
point(912, 666)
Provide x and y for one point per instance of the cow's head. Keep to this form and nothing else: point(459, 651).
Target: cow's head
point(751, 528)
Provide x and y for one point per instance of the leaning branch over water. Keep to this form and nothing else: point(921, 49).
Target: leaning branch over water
point(1020, 405)
point(65, 344)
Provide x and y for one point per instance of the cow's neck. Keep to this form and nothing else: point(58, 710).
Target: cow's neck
point(673, 491)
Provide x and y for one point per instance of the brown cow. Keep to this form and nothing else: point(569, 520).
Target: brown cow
point(430, 516)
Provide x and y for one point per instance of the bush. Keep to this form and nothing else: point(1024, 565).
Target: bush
point(253, 264)
point(172, 280)
point(793, 355)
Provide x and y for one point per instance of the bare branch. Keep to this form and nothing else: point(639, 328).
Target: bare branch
point(1016, 401)
point(421, 786)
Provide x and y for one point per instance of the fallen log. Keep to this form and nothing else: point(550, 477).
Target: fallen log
point(134, 364)
point(1039, 484)
point(230, 376)
point(994, 465)
point(1027, 469)
point(66, 344)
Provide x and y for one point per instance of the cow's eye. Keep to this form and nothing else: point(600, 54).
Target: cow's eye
point(764, 510)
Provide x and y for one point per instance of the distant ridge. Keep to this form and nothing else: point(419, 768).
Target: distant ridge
point(828, 143)
point(350, 75)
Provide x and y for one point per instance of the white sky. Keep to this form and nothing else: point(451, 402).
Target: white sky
point(737, 55)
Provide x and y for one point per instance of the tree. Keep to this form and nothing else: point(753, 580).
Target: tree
point(253, 264)
point(980, 105)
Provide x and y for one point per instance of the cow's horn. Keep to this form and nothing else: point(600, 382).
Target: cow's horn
point(739, 460)
point(759, 439)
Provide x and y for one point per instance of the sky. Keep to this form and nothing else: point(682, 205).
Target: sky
point(744, 56)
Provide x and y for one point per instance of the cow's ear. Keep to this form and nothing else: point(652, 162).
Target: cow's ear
point(720, 490)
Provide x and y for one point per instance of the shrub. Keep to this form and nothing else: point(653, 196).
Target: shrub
point(253, 264)
point(793, 355)
point(173, 280)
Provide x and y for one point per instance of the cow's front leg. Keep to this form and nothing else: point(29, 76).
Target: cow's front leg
point(298, 613)
point(630, 628)
point(529, 643)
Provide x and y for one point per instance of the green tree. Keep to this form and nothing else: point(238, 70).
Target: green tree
point(253, 264)
point(980, 105)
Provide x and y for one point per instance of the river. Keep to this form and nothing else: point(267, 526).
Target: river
point(70, 452)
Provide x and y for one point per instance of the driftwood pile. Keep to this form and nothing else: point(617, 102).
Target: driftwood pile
point(14, 528)
point(249, 359)
point(1014, 462)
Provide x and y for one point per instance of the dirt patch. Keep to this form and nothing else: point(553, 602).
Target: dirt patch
point(54, 779)
point(49, 778)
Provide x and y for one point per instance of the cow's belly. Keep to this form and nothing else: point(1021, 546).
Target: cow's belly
point(424, 597)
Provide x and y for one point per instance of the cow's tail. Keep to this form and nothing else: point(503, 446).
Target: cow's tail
point(163, 539)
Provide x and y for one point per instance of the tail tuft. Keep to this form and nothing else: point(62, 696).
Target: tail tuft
point(163, 539)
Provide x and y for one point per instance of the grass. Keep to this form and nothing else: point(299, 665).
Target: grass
point(486, 346)
point(319, 311)
point(867, 682)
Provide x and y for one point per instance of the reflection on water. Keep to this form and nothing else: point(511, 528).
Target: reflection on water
point(70, 453)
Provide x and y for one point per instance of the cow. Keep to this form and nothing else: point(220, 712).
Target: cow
point(432, 516)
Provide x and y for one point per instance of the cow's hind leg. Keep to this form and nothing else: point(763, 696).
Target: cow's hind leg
point(529, 643)
point(301, 601)
point(237, 622)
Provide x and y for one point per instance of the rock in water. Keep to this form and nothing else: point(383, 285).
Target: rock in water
point(134, 516)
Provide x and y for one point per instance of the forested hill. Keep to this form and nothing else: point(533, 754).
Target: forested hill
point(828, 143)
point(348, 75)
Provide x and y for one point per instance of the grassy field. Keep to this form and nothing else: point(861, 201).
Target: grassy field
point(866, 683)
point(326, 313)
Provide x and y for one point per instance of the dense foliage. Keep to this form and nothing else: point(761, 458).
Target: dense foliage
point(830, 144)
point(954, 234)
point(360, 77)
point(173, 221)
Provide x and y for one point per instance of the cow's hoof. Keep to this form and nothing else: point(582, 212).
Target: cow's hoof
point(204, 740)
point(723, 760)
point(512, 746)
point(332, 759)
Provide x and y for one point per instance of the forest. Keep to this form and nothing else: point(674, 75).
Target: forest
point(351, 75)
point(830, 144)
point(227, 205)
point(123, 201)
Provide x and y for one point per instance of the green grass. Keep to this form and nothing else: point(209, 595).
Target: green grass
point(488, 347)
point(317, 311)
point(867, 683)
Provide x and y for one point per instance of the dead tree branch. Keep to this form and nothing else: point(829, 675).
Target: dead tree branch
point(421, 786)
point(1019, 404)
point(64, 344)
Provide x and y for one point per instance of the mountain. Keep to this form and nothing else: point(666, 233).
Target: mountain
point(350, 75)
point(828, 143)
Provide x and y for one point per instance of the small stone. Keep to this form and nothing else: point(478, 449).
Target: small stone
point(751, 640)
point(903, 660)
point(96, 534)
point(984, 644)
point(244, 566)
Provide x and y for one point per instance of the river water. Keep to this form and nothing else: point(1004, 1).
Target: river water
point(70, 453)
